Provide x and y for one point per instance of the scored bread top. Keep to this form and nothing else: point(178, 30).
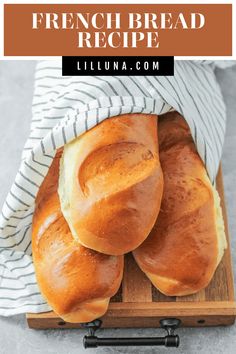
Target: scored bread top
point(111, 183)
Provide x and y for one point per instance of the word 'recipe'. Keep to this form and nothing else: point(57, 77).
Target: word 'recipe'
point(101, 30)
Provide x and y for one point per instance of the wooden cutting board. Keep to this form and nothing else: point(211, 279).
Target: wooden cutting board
point(139, 304)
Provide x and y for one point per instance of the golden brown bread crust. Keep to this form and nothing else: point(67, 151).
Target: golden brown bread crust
point(111, 183)
point(185, 246)
point(76, 282)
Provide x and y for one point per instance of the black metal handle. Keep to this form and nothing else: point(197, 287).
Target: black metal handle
point(170, 340)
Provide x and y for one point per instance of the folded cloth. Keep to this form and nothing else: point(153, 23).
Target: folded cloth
point(64, 108)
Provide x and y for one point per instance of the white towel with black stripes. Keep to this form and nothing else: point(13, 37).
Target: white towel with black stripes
point(64, 108)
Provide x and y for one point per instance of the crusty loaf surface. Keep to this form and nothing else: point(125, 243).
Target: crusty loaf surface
point(76, 282)
point(187, 242)
point(111, 183)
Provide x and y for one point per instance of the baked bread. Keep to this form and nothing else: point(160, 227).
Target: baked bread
point(76, 282)
point(111, 183)
point(187, 242)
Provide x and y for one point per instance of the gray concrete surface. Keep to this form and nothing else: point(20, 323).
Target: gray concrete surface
point(16, 85)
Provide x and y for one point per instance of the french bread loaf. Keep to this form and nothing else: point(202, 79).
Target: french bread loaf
point(187, 242)
point(111, 183)
point(76, 282)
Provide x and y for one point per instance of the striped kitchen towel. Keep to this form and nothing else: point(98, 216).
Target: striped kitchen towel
point(64, 108)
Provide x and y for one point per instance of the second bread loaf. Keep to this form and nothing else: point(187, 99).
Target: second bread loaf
point(187, 242)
